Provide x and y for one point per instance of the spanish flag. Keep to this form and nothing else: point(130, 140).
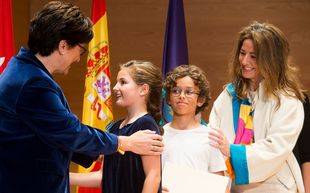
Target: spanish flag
point(97, 105)
point(6, 33)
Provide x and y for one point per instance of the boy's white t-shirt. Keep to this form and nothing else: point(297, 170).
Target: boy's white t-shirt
point(191, 148)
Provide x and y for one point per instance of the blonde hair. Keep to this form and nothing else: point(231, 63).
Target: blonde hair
point(272, 57)
point(144, 72)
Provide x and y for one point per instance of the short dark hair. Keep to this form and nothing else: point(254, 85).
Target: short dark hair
point(58, 21)
point(199, 78)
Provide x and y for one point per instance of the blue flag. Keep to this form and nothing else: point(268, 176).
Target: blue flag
point(175, 47)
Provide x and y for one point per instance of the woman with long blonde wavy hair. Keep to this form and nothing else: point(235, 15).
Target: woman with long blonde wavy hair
point(259, 115)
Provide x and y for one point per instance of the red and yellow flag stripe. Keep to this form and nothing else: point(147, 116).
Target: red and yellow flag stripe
point(97, 105)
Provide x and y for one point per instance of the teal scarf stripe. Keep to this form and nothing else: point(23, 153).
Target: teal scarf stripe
point(238, 152)
point(235, 104)
point(239, 163)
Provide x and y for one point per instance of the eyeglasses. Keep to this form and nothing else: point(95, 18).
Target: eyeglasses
point(83, 49)
point(177, 91)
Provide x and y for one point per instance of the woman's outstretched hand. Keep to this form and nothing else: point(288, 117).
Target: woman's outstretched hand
point(144, 142)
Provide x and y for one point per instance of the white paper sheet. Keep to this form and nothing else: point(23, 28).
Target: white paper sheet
point(179, 179)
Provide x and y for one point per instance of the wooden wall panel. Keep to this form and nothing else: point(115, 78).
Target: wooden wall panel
point(136, 31)
point(21, 11)
point(212, 27)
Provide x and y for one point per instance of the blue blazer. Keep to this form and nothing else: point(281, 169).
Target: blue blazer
point(38, 132)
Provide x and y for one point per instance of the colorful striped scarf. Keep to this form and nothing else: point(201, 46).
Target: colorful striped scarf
point(243, 122)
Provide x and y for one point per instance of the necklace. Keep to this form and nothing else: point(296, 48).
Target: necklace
point(252, 96)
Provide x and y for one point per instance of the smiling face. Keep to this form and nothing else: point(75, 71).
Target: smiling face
point(247, 59)
point(184, 97)
point(126, 90)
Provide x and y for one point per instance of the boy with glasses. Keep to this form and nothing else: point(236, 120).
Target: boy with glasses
point(185, 138)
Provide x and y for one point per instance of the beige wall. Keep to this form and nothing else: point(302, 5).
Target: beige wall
point(136, 30)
